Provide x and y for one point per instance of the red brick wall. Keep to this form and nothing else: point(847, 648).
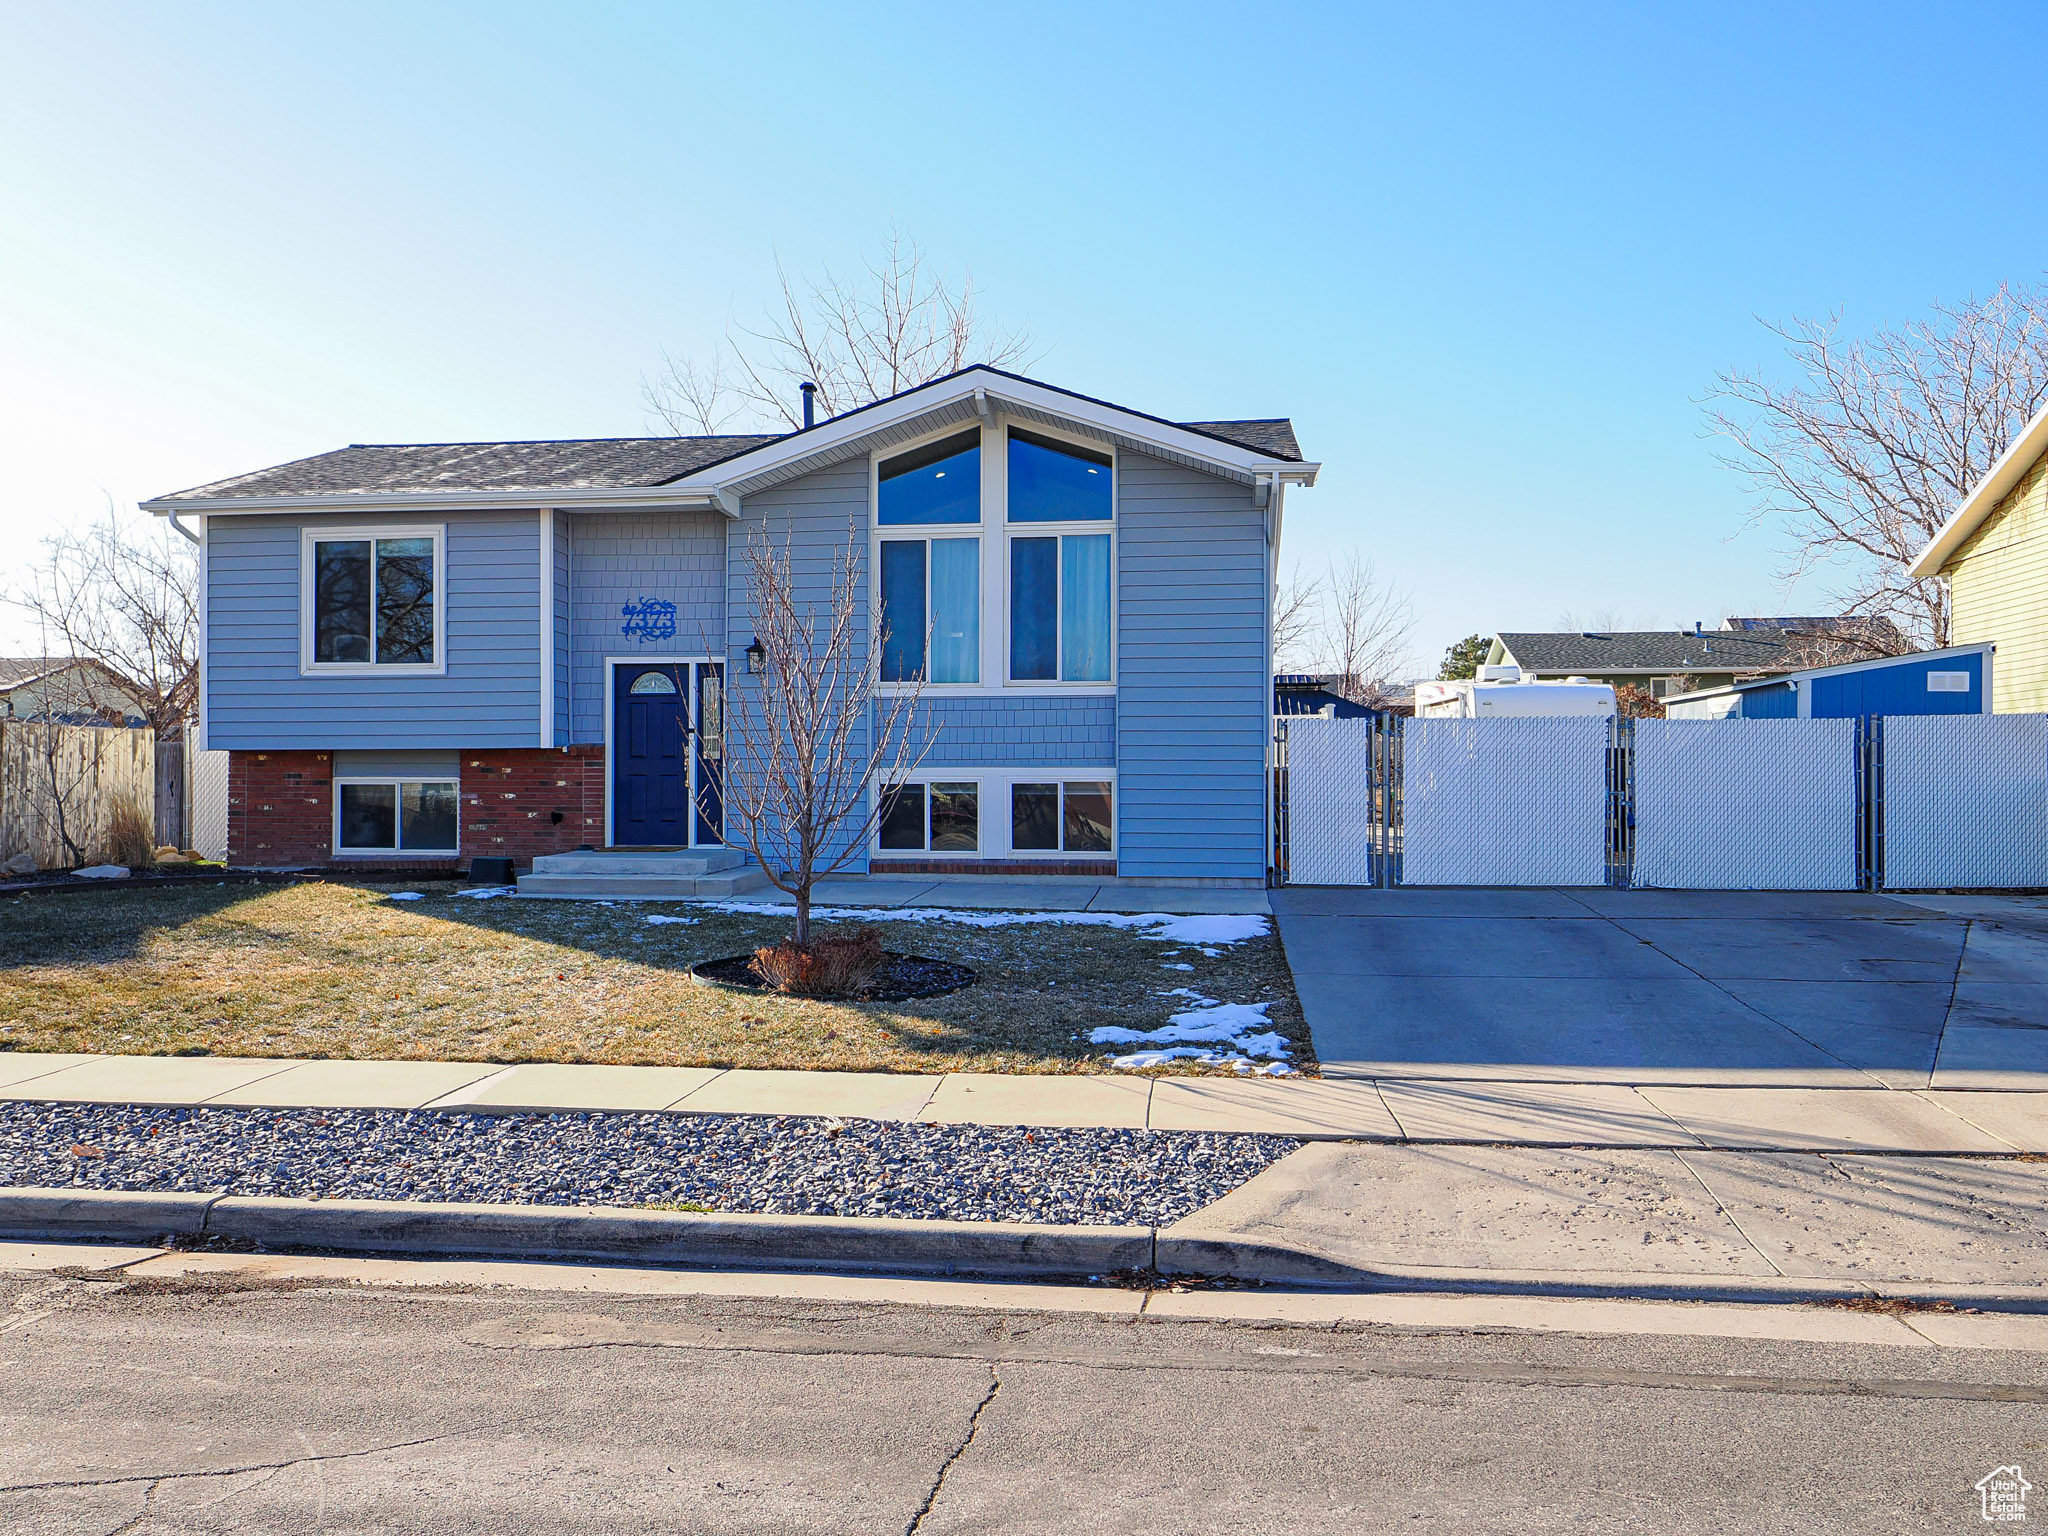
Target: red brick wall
point(281, 811)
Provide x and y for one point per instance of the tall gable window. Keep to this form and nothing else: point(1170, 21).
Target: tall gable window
point(1055, 482)
point(938, 483)
point(371, 600)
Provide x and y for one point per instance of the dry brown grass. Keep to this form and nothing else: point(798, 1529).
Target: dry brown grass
point(342, 971)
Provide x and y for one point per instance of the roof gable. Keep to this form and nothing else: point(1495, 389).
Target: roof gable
point(714, 470)
point(2020, 456)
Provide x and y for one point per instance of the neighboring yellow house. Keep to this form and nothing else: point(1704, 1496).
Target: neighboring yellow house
point(1994, 553)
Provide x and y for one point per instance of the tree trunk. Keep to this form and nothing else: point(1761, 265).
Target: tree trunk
point(803, 913)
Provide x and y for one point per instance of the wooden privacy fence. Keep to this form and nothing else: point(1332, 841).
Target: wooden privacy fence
point(60, 785)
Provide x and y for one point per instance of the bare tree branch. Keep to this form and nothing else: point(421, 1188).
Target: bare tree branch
point(1862, 459)
point(1358, 632)
point(895, 325)
point(812, 732)
point(1297, 614)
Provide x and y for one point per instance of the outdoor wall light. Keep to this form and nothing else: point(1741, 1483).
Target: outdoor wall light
point(757, 656)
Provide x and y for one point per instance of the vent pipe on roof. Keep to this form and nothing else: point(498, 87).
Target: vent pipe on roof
point(810, 397)
point(1695, 623)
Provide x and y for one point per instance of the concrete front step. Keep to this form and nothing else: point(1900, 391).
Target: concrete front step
point(673, 863)
point(730, 882)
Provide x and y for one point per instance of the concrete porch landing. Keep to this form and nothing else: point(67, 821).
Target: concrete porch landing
point(665, 875)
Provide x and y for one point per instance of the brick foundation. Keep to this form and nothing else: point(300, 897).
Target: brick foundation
point(1101, 869)
point(515, 804)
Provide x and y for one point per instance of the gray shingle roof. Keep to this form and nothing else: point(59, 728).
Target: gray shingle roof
point(406, 468)
point(364, 469)
point(1653, 650)
point(1273, 435)
point(16, 670)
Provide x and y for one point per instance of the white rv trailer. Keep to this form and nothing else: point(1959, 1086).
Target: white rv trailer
point(1504, 692)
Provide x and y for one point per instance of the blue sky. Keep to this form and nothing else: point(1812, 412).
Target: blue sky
point(1488, 258)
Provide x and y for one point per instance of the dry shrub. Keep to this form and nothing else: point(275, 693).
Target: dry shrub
point(131, 835)
point(840, 965)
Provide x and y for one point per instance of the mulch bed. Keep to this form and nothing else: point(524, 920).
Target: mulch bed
point(899, 978)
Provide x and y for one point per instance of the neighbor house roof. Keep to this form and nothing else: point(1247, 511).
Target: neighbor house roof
point(2020, 456)
point(1647, 650)
point(599, 470)
point(17, 670)
point(1876, 629)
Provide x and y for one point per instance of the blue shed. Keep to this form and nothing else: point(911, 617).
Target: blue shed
point(1952, 681)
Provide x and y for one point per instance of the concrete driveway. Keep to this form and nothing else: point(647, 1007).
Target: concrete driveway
point(1721, 988)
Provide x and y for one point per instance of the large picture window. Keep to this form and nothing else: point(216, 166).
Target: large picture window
point(939, 817)
point(1059, 608)
point(931, 610)
point(1028, 813)
point(372, 599)
point(396, 816)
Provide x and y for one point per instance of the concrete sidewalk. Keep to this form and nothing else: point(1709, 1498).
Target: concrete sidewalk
point(1532, 1114)
point(1019, 893)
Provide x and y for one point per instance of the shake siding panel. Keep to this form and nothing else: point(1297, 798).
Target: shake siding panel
point(488, 697)
point(624, 558)
point(1191, 716)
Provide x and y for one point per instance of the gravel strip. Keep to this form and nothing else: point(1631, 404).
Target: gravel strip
point(776, 1164)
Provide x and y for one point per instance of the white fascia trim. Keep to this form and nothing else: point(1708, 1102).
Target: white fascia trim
point(2011, 468)
point(699, 498)
point(983, 387)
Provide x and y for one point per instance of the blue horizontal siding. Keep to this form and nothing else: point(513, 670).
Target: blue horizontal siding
point(489, 696)
point(1192, 701)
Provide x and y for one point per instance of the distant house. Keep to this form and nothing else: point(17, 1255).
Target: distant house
point(68, 689)
point(1302, 693)
point(1660, 660)
point(1953, 681)
point(1993, 551)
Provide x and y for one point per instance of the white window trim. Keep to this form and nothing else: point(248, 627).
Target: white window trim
point(995, 531)
point(994, 786)
point(310, 535)
point(397, 781)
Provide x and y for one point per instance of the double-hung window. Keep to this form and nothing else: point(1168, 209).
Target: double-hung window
point(395, 816)
point(931, 584)
point(1061, 577)
point(371, 600)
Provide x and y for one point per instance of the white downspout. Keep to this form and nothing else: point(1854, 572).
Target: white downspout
point(1274, 513)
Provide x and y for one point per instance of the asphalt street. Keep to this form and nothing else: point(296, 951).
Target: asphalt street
point(218, 1404)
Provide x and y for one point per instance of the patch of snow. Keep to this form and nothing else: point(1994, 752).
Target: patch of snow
point(402, 896)
point(1182, 966)
point(1194, 1034)
point(1166, 927)
point(486, 892)
point(102, 872)
point(656, 919)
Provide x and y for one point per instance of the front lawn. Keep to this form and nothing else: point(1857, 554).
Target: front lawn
point(346, 971)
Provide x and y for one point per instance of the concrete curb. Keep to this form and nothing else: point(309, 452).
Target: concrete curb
point(589, 1233)
point(1009, 1250)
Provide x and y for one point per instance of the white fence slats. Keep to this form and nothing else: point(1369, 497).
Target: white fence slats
point(1965, 801)
point(1504, 802)
point(1329, 802)
point(210, 804)
point(1745, 805)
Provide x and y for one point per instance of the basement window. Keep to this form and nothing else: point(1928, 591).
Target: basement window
point(396, 816)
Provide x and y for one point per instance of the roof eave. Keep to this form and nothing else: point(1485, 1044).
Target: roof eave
point(2010, 468)
point(699, 498)
point(842, 434)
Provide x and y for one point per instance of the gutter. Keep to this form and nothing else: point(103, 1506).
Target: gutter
point(699, 499)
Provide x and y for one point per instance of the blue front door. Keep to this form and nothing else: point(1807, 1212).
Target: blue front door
point(651, 755)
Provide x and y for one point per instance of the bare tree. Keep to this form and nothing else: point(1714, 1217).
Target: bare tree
point(897, 324)
point(1864, 457)
point(1297, 615)
point(123, 596)
point(812, 732)
point(1365, 628)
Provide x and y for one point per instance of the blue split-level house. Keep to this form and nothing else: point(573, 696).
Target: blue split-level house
point(424, 654)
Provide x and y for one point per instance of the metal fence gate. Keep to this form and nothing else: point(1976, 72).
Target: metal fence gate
point(1745, 805)
point(1899, 803)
